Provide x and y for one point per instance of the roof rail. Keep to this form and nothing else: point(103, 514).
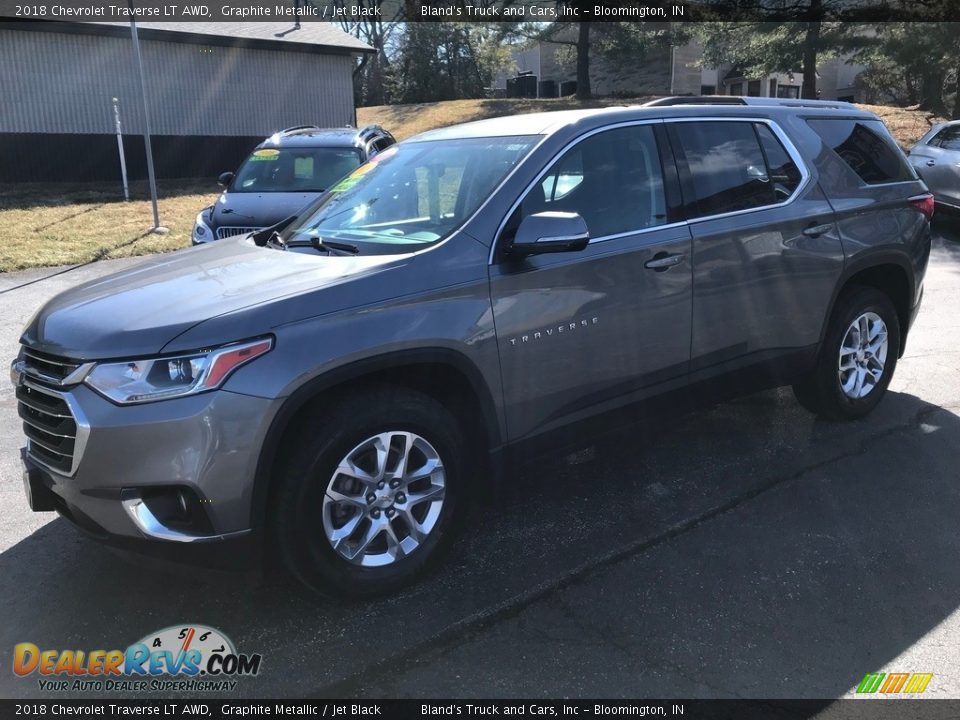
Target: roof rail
point(369, 130)
point(297, 127)
point(798, 102)
point(754, 101)
point(697, 100)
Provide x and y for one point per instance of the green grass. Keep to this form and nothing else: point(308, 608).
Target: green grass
point(60, 224)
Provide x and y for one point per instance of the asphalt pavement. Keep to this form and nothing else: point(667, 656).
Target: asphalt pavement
point(741, 550)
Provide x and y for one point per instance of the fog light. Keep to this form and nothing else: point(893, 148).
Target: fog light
point(171, 512)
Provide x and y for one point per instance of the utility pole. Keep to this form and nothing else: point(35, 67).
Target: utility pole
point(123, 160)
point(157, 228)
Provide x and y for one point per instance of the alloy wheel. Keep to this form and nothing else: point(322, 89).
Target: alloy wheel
point(863, 354)
point(384, 498)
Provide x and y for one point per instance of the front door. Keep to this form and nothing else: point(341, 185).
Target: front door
point(582, 331)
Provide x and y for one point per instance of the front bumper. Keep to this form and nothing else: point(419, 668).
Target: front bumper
point(207, 445)
point(240, 551)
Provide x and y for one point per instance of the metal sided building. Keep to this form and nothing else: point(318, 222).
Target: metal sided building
point(214, 90)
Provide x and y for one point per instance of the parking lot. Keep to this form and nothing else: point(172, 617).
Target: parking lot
point(742, 550)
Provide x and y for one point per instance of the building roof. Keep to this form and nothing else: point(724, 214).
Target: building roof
point(311, 36)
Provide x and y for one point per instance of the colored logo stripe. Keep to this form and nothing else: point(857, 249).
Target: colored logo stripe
point(918, 682)
point(894, 683)
point(870, 683)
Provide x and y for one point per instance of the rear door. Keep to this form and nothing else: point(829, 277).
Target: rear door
point(766, 253)
point(580, 332)
point(871, 187)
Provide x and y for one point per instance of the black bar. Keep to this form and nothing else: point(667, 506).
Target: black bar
point(179, 707)
point(181, 11)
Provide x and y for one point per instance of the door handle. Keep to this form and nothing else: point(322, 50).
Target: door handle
point(931, 163)
point(817, 230)
point(664, 261)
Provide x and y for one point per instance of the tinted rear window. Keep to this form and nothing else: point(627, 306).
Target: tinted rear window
point(728, 168)
point(948, 138)
point(866, 147)
point(784, 173)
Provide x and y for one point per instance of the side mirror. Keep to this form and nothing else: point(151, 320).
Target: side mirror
point(225, 178)
point(550, 232)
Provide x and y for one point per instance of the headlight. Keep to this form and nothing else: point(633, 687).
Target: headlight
point(201, 231)
point(150, 379)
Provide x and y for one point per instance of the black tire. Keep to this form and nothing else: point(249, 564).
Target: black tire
point(821, 392)
point(296, 509)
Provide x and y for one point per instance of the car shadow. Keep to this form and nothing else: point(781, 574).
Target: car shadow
point(947, 236)
point(862, 529)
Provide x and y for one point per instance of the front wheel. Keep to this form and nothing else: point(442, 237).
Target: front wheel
point(857, 358)
point(368, 499)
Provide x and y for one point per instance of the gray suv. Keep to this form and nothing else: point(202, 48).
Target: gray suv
point(331, 389)
point(283, 174)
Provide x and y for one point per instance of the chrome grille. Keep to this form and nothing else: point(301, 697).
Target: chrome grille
point(50, 423)
point(225, 232)
point(46, 367)
point(55, 427)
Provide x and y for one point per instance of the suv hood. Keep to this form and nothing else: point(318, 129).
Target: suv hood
point(256, 210)
point(136, 312)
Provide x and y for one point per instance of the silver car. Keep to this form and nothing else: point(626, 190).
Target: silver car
point(936, 158)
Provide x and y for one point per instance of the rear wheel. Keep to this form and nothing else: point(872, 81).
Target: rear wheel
point(857, 359)
point(368, 499)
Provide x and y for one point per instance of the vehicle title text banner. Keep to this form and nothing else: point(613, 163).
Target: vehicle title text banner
point(345, 11)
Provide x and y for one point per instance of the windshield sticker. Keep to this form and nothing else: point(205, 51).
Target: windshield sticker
point(266, 154)
point(353, 178)
point(303, 168)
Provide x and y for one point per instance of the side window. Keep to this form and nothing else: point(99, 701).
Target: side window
point(727, 166)
point(783, 172)
point(564, 177)
point(612, 179)
point(866, 147)
point(948, 138)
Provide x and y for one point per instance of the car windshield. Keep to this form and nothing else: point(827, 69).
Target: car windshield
point(296, 169)
point(413, 194)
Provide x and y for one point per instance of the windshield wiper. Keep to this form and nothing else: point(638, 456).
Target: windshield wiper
point(324, 246)
point(272, 233)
